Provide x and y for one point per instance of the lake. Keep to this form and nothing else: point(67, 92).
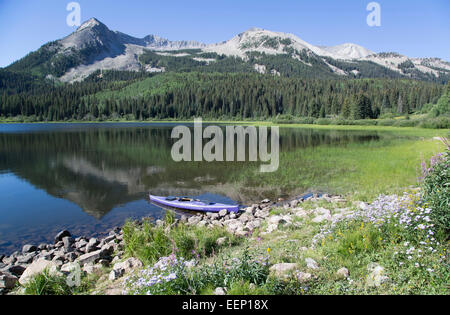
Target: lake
point(89, 178)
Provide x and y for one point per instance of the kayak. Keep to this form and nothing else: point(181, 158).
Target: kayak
point(193, 204)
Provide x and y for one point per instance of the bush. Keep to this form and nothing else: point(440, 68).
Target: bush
point(436, 191)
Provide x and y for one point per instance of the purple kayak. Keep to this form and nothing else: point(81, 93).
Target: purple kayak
point(193, 204)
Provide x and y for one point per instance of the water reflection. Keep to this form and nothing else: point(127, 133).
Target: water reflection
point(104, 167)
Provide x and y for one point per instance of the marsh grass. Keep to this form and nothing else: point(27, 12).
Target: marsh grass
point(360, 170)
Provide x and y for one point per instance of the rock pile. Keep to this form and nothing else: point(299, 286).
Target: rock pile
point(61, 257)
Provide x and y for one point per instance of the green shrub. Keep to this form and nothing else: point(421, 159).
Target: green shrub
point(436, 191)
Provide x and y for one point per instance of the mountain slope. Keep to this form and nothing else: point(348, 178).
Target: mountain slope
point(93, 47)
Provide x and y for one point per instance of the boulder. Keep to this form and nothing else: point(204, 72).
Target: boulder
point(7, 281)
point(26, 259)
point(36, 268)
point(311, 263)
point(70, 267)
point(9, 260)
point(115, 274)
point(283, 270)
point(304, 277)
point(262, 214)
point(91, 268)
point(59, 237)
point(294, 203)
point(29, 249)
point(127, 266)
point(90, 257)
point(16, 270)
point(342, 273)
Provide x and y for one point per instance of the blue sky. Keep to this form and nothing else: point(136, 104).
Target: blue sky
point(411, 27)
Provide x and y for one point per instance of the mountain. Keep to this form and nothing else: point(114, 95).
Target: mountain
point(348, 51)
point(93, 47)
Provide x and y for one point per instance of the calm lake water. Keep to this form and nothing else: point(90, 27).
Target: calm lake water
point(89, 178)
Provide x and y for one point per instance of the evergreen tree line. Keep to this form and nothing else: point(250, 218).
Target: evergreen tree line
point(231, 95)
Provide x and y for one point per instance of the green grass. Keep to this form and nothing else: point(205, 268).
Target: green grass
point(149, 243)
point(47, 283)
point(362, 170)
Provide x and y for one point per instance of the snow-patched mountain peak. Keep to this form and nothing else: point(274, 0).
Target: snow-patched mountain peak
point(263, 41)
point(93, 22)
point(348, 51)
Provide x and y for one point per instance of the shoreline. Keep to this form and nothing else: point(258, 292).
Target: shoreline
point(92, 253)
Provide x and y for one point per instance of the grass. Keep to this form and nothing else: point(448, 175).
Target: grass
point(47, 283)
point(148, 243)
point(362, 170)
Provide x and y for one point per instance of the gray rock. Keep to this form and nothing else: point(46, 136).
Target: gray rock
point(194, 220)
point(342, 273)
point(127, 266)
point(70, 267)
point(36, 268)
point(91, 268)
point(9, 260)
point(223, 213)
point(90, 247)
point(115, 274)
point(93, 242)
point(304, 277)
point(68, 241)
point(81, 243)
point(245, 218)
point(29, 249)
point(16, 270)
point(71, 256)
point(294, 203)
point(94, 256)
point(311, 263)
point(283, 270)
point(109, 238)
point(262, 214)
point(265, 201)
point(8, 282)
point(220, 291)
point(42, 247)
point(61, 235)
point(26, 259)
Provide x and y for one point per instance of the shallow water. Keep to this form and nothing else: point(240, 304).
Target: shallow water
point(89, 178)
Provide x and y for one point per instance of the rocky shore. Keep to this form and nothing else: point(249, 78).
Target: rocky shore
point(89, 255)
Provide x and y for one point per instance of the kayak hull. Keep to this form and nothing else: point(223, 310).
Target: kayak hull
point(198, 206)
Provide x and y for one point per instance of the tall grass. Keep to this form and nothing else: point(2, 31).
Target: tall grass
point(363, 170)
point(149, 243)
